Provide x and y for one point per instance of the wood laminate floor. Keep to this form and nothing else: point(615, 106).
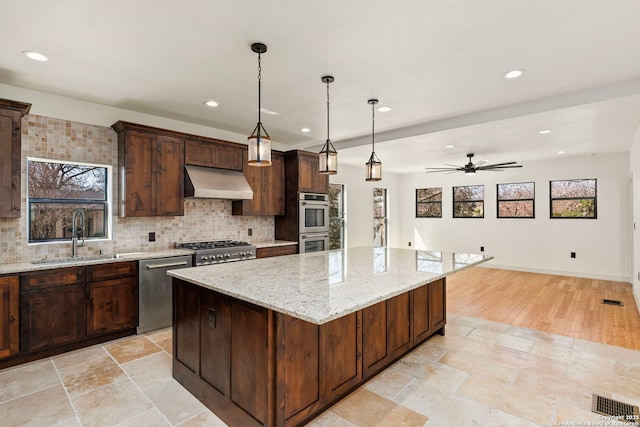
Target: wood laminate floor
point(569, 306)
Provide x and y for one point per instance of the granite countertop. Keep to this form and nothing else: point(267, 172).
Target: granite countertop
point(21, 267)
point(321, 286)
point(272, 243)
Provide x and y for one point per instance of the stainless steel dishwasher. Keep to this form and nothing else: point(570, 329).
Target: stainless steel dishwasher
point(155, 294)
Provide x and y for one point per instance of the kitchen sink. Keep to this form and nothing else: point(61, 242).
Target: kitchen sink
point(68, 260)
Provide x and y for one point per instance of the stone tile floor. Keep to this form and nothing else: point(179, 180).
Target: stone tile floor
point(482, 373)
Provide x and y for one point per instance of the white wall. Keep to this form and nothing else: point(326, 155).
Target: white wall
point(359, 204)
point(634, 163)
point(541, 244)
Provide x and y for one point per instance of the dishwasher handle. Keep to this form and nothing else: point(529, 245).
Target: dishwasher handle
point(169, 265)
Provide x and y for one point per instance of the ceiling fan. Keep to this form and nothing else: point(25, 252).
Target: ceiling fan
point(471, 168)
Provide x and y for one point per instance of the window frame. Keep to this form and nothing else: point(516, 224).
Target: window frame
point(595, 199)
point(439, 202)
point(453, 214)
point(385, 218)
point(107, 202)
point(338, 219)
point(532, 200)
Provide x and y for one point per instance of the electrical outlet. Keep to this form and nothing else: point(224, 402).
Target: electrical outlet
point(481, 248)
point(152, 236)
point(250, 232)
point(573, 254)
point(409, 244)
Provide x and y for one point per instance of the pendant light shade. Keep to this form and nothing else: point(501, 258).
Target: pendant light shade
point(374, 165)
point(259, 142)
point(328, 155)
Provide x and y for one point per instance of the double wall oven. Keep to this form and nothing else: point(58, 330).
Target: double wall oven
point(313, 226)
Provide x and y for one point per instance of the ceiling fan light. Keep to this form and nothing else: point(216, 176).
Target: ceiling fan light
point(470, 172)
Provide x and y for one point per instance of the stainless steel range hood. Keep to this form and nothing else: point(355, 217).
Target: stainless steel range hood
point(211, 183)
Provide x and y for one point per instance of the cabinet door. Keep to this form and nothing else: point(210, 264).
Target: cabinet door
point(112, 305)
point(9, 316)
point(186, 331)
point(112, 270)
point(11, 113)
point(138, 187)
point(254, 177)
point(341, 355)
point(227, 156)
point(198, 153)
point(215, 363)
point(374, 339)
point(51, 317)
point(307, 171)
point(273, 186)
point(421, 314)
point(438, 304)
point(399, 325)
point(276, 251)
point(169, 176)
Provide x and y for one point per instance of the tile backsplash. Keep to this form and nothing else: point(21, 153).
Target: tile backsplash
point(55, 139)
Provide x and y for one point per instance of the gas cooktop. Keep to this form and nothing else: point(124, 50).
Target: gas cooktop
point(218, 251)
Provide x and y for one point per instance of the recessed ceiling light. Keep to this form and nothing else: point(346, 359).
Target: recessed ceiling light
point(384, 109)
point(34, 55)
point(305, 130)
point(544, 131)
point(211, 103)
point(514, 74)
point(562, 152)
point(449, 146)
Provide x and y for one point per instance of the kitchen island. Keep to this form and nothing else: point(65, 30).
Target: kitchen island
point(275, 341)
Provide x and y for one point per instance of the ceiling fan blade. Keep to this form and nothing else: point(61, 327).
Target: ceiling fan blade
point(488, 168)
point(480, 163)
point(432, 170)
point(499, 164)
point(455, 166)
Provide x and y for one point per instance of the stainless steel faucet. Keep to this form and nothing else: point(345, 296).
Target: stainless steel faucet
point(78, 213)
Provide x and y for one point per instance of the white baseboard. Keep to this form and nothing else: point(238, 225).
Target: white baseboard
point(560, 273)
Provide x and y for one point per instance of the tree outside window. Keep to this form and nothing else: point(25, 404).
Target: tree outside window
point(574, 198)
point(516, 200)
point(380, 217)
point(336, 216)
point(56, 190)
point(468, 201)
point(429, 202)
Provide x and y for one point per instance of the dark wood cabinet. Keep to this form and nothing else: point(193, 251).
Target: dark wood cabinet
point(438, 305)
point(256, 367)
point(213, 154)
point(270, 251)
point(11, 113)
point(9, 316)
point(267, 184)
point(152, 171)
point(112, 297)
point(309, 179)
point(52, 308)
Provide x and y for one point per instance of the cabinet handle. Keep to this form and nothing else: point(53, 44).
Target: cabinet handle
point(175, 264)
point(13, 319)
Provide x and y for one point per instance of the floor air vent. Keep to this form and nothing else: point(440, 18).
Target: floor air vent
point(618, 410)
point(612, 302)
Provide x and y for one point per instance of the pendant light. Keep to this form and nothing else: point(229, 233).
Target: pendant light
point(374, 165)
point(259, 142)
point(328, 155)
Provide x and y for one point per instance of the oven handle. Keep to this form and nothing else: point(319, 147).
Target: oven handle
point(174, 264)
point(303, 236)
point(314, 203)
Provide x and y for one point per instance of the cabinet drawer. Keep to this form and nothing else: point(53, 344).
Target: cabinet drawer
point(276, 251)
point(51, 278)
point(114, 270)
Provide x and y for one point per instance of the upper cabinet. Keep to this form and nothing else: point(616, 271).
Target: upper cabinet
point(11, 113)
point(302, 173)
point(267, 184)
point(214, 154)
point(151, 165)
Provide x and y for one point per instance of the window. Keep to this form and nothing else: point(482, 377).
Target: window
point(336, 216)
point(379, 217)
point(574, 198)
point(56, 190)
point(516, 200)
point(468, 201)
point(429, 202)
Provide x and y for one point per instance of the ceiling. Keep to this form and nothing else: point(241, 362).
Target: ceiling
point(439, 64)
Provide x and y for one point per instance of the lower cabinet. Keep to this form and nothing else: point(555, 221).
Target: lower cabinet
point(256, 367)
point(270, 251)
point(9, 316)
point(52, 308)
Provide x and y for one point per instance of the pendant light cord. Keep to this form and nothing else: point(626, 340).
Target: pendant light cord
point(259, 91)
point(327, 110)
point(373, 121)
